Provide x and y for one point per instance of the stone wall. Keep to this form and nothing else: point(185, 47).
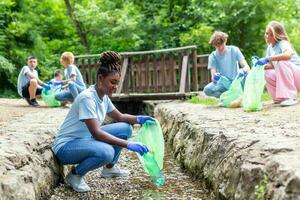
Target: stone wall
point(236, 153)
point(28, 169)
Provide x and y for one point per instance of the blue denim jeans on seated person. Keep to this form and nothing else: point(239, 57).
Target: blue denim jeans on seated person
point(214, 89)
point(91, 154)
point(72, 92)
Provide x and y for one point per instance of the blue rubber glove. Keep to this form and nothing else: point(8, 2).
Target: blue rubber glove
point(262, 61)
point(46, 86)
point(241, 73)
point(138, 147)
point(141, 119)
point(217, 76)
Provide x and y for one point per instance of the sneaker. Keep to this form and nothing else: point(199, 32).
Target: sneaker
point(115, 171)
point(34, 103)
point(289, 102)
point(277, 102)
point(221, 104)
point(77, 183)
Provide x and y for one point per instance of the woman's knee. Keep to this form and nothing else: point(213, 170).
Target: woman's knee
point(270, 75)
point(125, 128)
point(105, 153)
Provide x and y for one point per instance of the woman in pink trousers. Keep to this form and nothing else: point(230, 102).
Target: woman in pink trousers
point(282, 70)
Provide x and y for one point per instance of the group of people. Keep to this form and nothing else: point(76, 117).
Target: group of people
point(29, 84)
point(282, 65)
point(84, 142)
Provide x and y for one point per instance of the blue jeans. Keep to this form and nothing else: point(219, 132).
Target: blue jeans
point(91, 154)
point(71, 94)
point(214, 89)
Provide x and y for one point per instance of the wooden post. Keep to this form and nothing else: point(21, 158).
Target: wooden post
point(123, 75)
point(195, 70)
point(183, 76)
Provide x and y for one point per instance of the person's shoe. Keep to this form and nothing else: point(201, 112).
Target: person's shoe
point(115, 171)
point(277, 102)
point(77, 183)
point(34, 103)
point(289, 102)
point(221, 104)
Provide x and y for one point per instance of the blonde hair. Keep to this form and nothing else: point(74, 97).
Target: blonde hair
point(278, 31)
point(218, 38)
point(67, 57)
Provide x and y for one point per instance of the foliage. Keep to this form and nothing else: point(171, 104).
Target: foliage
point(6, 71)
point(261, 189)
point(45, 29)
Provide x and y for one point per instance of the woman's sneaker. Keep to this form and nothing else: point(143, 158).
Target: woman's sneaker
point(34, 103)
point(115, 171)
point(289, 102)
point(77, 183)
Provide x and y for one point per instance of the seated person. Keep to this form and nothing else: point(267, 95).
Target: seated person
point(58, 76)
point(29, 84)
point(74, 80)
point(223, 62)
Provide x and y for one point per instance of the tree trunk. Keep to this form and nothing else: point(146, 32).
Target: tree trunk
point(77, 24)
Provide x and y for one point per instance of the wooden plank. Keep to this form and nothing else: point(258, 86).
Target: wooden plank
point(195, 70)
point(96, 66)
point(147, 75)
point(123, 75)
point(83, 70)
point(183, 76)
point(139, 76)
point(127, 78)
point(163, 73)
point(89, 72)
point(156, 75)
point(150, 96)
point(138, 53)
point(172, 74)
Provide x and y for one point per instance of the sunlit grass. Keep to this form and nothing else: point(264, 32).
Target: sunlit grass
point(203, 101)
point(208, 101)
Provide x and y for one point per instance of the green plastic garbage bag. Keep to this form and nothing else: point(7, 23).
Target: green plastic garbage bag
point(234, 93)
point(48, 97)
point(254, 87)
point(151, 135)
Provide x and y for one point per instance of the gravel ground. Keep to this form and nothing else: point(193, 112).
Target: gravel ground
point(179, 185)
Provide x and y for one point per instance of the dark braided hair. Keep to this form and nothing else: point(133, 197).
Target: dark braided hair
point(110, 62)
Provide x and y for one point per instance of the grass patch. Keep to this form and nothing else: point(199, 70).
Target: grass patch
point(266, 97)
point(204, 101)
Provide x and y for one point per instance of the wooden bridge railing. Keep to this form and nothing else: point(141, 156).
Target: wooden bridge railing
point(176, 70)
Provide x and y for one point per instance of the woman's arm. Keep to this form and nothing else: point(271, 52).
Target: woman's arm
point(120, 117)
point(286, 55)
point(94, 128)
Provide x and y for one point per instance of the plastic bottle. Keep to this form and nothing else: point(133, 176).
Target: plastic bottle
point(157, 176)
